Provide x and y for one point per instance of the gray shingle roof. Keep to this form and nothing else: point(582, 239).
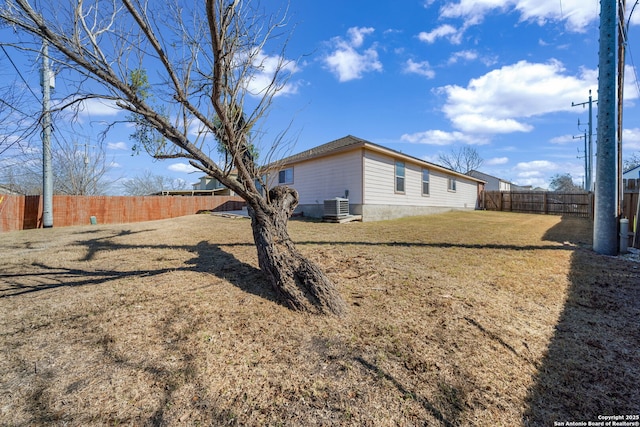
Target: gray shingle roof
point(348, 141)
point(351, 142)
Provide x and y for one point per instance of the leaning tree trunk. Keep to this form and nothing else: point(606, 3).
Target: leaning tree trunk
point(300, 283)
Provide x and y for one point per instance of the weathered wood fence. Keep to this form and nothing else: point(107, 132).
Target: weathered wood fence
point(540, 202)
point(553, 203)
point(25, 212)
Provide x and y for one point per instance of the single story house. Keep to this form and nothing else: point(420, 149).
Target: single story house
point(493, 183)
point(8, 189)
point(380, 183)
point(212, 185)
point(631, 178)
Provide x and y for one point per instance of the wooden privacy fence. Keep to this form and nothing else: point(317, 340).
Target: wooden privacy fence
point(540, 202)
point(630, 208)
point(25, 212)
point(551, 202)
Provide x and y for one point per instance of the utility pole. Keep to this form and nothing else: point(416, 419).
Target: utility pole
point(84, 185)
point(605, 225)
point(622, 42)
point(47, 169)
point(586, 162)
point(589, 151)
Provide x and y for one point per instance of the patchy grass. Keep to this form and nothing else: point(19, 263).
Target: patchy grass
point(476, 318)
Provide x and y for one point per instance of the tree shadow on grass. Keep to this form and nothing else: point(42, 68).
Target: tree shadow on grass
point(428, 406)
point(209, 258)
point(592, 364)
point(168, 380)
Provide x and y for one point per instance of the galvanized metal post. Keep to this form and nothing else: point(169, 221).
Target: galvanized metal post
point(590, 153)
point(47, 170)
point(622, 41)
point(605, 221)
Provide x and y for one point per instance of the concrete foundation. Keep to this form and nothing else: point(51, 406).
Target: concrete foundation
point(377, 212)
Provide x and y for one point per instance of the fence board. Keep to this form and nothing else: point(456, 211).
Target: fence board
point(540, 202)
point(629, 207)
point(25, 212)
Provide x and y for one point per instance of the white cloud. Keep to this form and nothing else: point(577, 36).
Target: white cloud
point(464, 55)
point(346, 62)
point(98, 107)
point(630, 140)
point(539, 172)
point(117, 146)
point(439, 137)
point(443, 31)
point(535, 173)
point(563, 139)
point(536, 167)
point(357, 34)
point(498, 101)
point(266, 66)
point(576, 13)
point(476, 123)
point(630, 84)
point(421, 68)
point(497, 161)
point(182, 167)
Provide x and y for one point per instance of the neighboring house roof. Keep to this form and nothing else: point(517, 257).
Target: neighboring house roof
point(486, 176)
point(351, 142)
point(633, 173)
point(187, 192)
point(6, 189)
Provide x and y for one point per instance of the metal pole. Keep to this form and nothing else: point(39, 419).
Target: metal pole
point(590, 153)
point(586, 160)
point(605, 225)
point(622, 41)
point(47, 170)
point(586, 164)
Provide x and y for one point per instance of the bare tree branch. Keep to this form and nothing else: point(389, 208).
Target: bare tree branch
point(211, 74)
point(463, 159)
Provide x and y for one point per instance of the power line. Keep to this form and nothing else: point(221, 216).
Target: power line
point(14, 108)
point(20, 74)
point(626, 40)
point(561, 12)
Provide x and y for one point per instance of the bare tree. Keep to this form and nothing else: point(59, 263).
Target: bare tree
point(211, 73)
point(149, 183)
point(78, 169)
point(17, 125)
point(81, 170)
point(463, 159)
point(564, 183)
point(632, 161)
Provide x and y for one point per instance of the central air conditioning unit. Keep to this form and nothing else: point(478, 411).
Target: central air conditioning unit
point(336, 208)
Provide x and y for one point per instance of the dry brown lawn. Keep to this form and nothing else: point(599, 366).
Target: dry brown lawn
point(474, 318)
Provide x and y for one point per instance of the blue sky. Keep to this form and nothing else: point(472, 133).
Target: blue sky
point(426, 76)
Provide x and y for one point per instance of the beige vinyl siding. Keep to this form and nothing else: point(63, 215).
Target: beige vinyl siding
point(379, 185)
point(465, 196)
point(328, 177)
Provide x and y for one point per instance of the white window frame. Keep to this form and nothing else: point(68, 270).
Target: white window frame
point(451, 184)
point(288, 176)
point(426, 172)
point(400, 178)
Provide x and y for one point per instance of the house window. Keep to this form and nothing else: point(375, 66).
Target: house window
point(425, 182)
point(399, 177)
point(285, 176)
point(452, 184)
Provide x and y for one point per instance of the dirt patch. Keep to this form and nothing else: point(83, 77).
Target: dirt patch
point(477, 318)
